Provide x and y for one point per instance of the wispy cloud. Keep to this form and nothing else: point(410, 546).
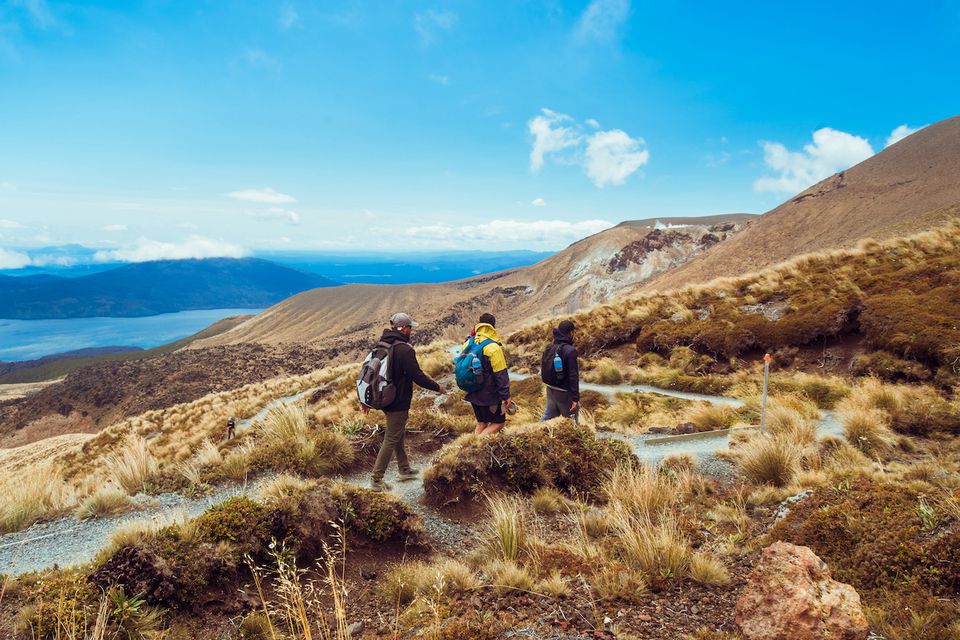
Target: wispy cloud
point(260, 59)
point(601, 20)
point(289, 17)
point(552, 233)
point(38, 11)
point(194, 247)
point(607, 157)
point(276, 213)
point(439, 78)
point(10, 224)
point(900, 133)
point(114, 228)
point(829, 152)
point(262, 196)
point(13, 259)
point(431, 23)
point(539, 202)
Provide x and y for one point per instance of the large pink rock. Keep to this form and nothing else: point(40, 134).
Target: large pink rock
point(791, 596)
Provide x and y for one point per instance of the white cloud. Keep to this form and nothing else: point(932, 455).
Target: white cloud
point(539, 202)
point(288, 16)
point(115, 227)
point(900, 133)
point(601, 19)
point(608, 157)
point(439, 79)
point(830, 151)
point(550, 135)
point(262, 196)
point(613, 155)
point(552, 233)
point(431, 22)
point(147, 250)
point(13, 259)
point(10, 224)
point(277, 213)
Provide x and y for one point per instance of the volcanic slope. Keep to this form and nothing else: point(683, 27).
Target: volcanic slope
point(588, 272)
point(908, 187)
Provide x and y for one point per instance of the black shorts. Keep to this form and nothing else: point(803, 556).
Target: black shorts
point(494, 414)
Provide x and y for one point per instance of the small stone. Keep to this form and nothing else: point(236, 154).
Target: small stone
point(694, 609)
point(607, 620)
point(355, 629)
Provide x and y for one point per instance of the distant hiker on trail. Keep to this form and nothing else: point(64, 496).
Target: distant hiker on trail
point(231, 428)
point(386, 383)
point(560, 371)
point(481, 371)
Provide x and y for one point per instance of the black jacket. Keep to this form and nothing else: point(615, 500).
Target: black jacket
point(405, 370)
point(568, 353)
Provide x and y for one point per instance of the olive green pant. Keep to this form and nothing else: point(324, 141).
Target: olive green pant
point(392, 444)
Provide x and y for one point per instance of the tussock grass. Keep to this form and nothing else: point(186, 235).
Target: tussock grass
point(708, 570)
point(554, 586)
point(283, 487)
point(657, 549)
point(769, 460)
point(547, 500)
point(507, 528)
point(612, 582)
point(105, 502)
point(506, 576)
point(39, 493)
point(866, 429)
point(287, 441)
point(134, 466)
point(606, 371)
point(711, 417)
point(641, 491)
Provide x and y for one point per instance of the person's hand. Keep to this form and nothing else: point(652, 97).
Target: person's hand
point(441, 390)
point(574, 406)
point(365, 409)
point(509, 403)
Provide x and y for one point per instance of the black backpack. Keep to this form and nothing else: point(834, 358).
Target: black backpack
point(548, 372)
point(375, 387)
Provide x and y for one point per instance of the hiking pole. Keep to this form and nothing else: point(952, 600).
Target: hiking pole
point(763, 403)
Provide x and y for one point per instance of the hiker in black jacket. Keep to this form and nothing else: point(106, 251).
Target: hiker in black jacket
point(405, 370)
point(563, 385)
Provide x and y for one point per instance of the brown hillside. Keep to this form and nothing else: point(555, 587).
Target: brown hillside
point(588, 272)
point(908, 187)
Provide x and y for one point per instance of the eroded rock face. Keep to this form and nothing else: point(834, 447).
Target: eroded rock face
point(790, 595)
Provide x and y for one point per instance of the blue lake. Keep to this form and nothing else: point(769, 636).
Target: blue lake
point(30, 339)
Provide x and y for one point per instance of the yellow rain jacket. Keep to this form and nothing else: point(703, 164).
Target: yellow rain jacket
point(496, 379)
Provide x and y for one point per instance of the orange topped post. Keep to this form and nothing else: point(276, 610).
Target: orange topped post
point(766, 383)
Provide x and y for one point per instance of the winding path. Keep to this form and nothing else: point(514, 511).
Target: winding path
point(66, 541)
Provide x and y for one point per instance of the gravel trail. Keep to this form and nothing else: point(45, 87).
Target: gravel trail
point(67, 541)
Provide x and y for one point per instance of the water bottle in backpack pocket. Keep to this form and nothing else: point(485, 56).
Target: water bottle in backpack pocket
point(375, 387)
point(468, 365)
point(551, 366)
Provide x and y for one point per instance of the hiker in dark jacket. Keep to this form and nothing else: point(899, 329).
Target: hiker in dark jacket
point(405, 370)
point(491, 402)
point(563, 388)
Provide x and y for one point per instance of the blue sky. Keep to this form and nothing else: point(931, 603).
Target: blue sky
point(165, 129)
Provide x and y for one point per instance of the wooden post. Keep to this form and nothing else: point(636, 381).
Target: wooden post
point(766, 382)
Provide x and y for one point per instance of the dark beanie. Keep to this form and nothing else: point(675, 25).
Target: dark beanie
point(489, 319)
point(566, 327)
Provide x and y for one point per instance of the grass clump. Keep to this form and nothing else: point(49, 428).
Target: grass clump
point(39, 493)
point(769, 460)
point(547, 501)
point(606, 371)
point(506, 576)
point(105, 502)
point(555, 454)
point(712, 417)
point(507, 536)
point(287, 441)
point(134, 467)
point(708, 570)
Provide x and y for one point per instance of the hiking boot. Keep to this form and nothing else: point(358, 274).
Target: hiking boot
point(379, 485)
point(409, 474)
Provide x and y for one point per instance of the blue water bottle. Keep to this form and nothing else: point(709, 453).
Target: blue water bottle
point(557, 362)
point(477, 366)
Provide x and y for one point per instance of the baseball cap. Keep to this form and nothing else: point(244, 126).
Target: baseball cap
point(401, 320)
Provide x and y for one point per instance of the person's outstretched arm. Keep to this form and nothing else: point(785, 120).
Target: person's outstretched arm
point(498, 363)
point(411, 369)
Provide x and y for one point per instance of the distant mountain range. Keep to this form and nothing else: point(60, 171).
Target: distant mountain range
point(150, 288)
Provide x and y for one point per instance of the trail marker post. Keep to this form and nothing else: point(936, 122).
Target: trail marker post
point(766, 382)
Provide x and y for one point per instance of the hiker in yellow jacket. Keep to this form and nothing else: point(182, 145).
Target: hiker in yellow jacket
point(492, 401)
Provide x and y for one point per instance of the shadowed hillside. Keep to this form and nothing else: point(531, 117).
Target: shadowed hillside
point(151, 288)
